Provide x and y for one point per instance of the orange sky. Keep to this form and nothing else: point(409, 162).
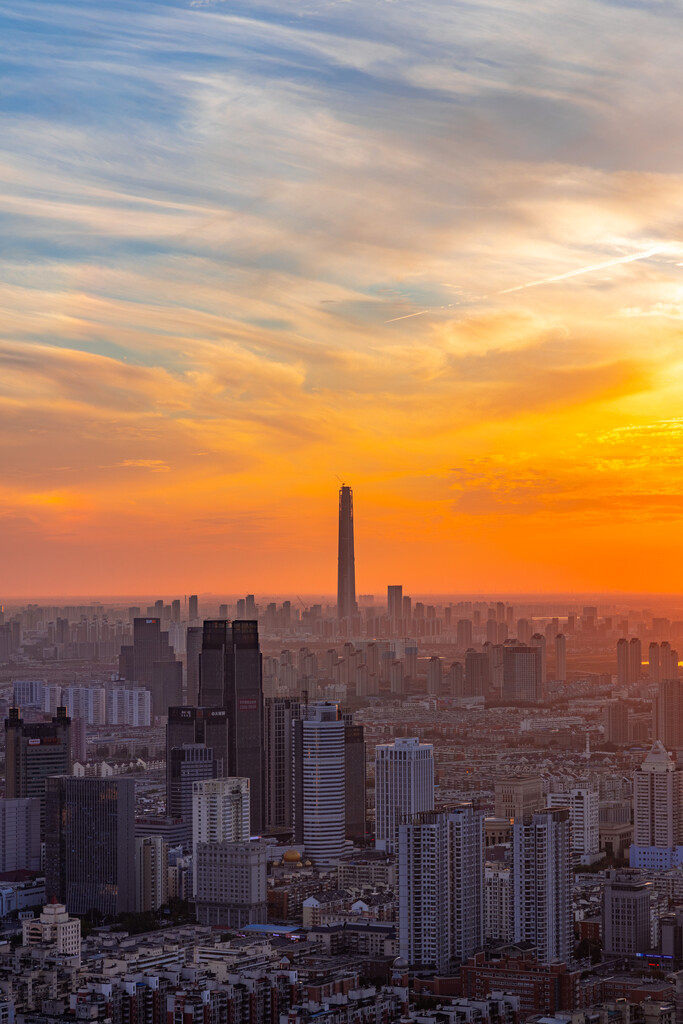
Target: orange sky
point(342, 244)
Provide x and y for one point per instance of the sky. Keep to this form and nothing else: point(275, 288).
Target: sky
point(250, 249)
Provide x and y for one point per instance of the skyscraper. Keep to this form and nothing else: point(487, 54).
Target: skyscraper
point(279, 715)
point(542, 879)
point(90, 843)
point(230, 676)
point(34, 751)
point(522, 672)
point(404, 785)
point(193, 648)
point(354, 779)
point(220, 811)
point(346, 564)
point(197, 725)
point(150, 660)
point(318, 762)
point(657, 810)
point(185, 765)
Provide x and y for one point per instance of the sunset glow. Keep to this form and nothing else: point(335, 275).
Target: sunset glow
point(434, 250)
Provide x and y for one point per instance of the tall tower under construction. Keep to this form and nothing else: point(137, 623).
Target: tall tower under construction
point(346, 565)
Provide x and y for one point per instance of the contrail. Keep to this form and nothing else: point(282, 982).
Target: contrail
point(408, 316)
point(595, 266)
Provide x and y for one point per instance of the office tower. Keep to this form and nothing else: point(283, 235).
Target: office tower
point(175, 610)
point(193, 608)
point(55, 930)
point(231, 883)
point(90, 843)
point(561, 658)
point(667, 714)
point(584, 812)
point(434, 676)
point(151, 873)
point(464, 634)
point(498, 916)
point(538, 640)
point(193, 649)
point(20, 834)
point(34, 751)
point(477, 674)
point(518, 797)
point(346, 564)
point(404, 786)
point(354, 779)
point(150, 661)
point(441, 873)
point(635, 658)
point(79, 742)
point(220, 811)
point(407, 608)
point(318, 761)
point(542, 880)
point(626, 913)
point(653, 662)
point(191, 725)
point(657, 810)
point(278, 717)
point(397, 677)
point(623, 676)
point(230, 676)
point(186, 765)
point(616, 722)
point(523, 673)
point(395, 604)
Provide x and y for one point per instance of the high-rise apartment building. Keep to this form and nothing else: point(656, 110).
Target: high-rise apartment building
point(657, 810)
point(464, 634)
point(616, 722)
point(584, 809)
point(561, 658)
point(498, 902)
point(623, 669)
point(318, 782)
point(653, 662)
point(193, 608)
point(635, 660)
point(230, 676)
point(395, 604)
point(542, 880)
point(33, 752)
point(90, 843)
point(346, 562)
point(220, 811)
point(441, 887)
point(667, 714)
point(404, 786)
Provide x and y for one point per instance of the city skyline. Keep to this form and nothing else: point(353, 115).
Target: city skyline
point(238, 268)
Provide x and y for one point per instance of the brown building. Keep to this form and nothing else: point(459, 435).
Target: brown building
point(540, 987)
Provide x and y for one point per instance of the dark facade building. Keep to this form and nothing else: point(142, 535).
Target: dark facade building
point(34, 751)
point(522, 673)
point(90, 844)
point(150, 660)
point(346, 563)
point(193, 650)
point(230, 676)
point(354, 778)
point(198, 725)
point(278, 717)
point(193, 762)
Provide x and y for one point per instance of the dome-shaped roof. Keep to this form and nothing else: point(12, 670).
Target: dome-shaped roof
point(400, 964)
point(308, 864)
point(291, 857)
